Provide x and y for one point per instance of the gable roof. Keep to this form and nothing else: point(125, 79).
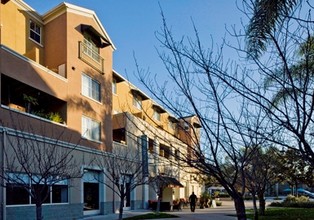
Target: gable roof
point(67, 7)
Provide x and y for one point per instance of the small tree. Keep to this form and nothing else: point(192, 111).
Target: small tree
point(123, 171)
point(261, 172)
point(37, 163)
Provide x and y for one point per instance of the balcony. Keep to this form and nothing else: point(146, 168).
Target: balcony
point(23, 98)
point(91, 57)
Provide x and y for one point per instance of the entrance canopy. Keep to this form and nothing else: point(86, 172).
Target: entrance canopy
point(166, 181)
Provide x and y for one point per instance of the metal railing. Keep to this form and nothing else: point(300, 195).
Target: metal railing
point(91, 57)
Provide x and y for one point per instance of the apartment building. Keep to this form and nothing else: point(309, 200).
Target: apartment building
point(166, 139)
point(62, 106)
point(55, 77)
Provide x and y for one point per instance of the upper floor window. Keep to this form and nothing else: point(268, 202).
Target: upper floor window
point(90, 48)
point(156, 115)
point(151, 146)
point(90, 87)
point(90, 129)
point(172, 125)
point(137, 101)
point(164, 151)
point(114, 86)
point(34, 31)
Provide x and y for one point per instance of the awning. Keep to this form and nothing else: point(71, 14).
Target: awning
point(4, 1)
point(158, 108)
point(100, 40)
point(139, 93)
point(166, 181)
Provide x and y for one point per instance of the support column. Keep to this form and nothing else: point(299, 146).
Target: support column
point(2, 181)
point(144, 145)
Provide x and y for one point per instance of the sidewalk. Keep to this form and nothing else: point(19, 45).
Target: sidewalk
point(221, 213)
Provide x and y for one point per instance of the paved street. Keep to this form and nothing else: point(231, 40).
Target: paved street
point(220, 213)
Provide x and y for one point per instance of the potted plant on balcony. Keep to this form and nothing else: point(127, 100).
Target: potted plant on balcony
point(29, 102)
point(55, 116)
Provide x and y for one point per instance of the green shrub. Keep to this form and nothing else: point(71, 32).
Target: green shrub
point(290, 198)
point(276, 204)
point(303, 199)
point(294, 202)
point(218, 203)
point(299, 204)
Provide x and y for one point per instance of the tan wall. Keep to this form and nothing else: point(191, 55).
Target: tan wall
point(15, 31)
point(123, 102)
point(55, 43)
point(98, 111)
point(62, 35)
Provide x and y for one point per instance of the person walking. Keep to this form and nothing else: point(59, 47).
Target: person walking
point(192, 200)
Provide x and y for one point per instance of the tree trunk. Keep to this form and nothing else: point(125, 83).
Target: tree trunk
point(240, 207)
point(158, 204)
point(39, 211)
point(121, 207)
point(262, 204)
point(122, 196)
point(255, 206)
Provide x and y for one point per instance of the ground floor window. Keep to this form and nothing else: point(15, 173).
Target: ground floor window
point(19, 186)
point(17, 195)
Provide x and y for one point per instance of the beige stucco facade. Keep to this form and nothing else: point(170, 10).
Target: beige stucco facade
point(169, 139)
point(58, 89)
point(43, 62)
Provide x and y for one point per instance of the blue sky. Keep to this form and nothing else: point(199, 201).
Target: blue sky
point(131, 25)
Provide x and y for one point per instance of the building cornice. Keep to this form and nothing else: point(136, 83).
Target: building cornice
point(29, 10)
point(67, 7)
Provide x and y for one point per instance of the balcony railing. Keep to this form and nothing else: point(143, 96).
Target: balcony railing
point(91, 57)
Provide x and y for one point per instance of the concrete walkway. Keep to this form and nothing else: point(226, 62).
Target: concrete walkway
point(221, 213)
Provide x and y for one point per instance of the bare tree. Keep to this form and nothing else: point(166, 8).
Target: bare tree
point(261, 172)
point(198, 87)
point(36, 165)
point(281, 81)
point(123, 170)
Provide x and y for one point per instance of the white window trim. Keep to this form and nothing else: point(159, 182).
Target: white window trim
point(90, 49)
point(31, 30)
point(156, 115)
point(137, 102)
point(90, 87)
point(83, 134)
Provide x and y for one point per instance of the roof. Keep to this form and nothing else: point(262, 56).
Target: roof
point(64, 6)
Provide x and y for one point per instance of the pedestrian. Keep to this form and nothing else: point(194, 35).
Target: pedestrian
point(192, 200)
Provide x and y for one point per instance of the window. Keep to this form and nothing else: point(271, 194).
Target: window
point(90, 129)
point(186, 126)
point(164, 151)
point(137, 101)
point(60, 192)
point(151, 146)
point(17, 191)
point(90, 87)
point(90, 48)
point(34, 31)
point(114, 86)
point(16, 194)
point(172, 125)
point(177, 154)
point(156, 115)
